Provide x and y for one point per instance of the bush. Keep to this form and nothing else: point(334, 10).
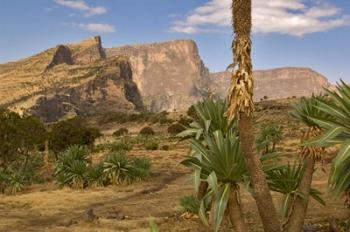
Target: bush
point(120, 146)
point(121, 132)
point(151, 146)
point(165, 147)
point(71, 132)
point(147, 131)
point(19, 137)
point(175, 128)
point(190, 204)
point(191, 112)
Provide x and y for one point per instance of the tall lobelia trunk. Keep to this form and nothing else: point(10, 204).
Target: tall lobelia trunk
point(46, 154)
point(297, 217)
point(202, 190)
point(235, 212)
point(310, 155)
point(242, 106)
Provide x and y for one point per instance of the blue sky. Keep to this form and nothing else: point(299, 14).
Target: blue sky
point(308, 33)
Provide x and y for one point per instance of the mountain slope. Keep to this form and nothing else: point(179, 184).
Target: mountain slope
point(69, 79)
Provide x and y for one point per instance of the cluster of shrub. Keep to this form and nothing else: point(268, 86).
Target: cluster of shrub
point(123, 117)
point(24, 140)
point(75, 169)
point(145, 138)
point(173, 129)
point(21, 141)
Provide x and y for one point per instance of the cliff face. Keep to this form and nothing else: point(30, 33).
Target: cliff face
point(73, 79)
point(170, 75)
point(88, 51)
point(275, 83)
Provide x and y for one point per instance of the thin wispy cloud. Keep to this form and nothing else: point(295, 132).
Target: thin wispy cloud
point(289, 17)
point(82, 6)
point(95, 27)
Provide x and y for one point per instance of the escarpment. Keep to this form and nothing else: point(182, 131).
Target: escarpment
point(170, 75)
point(275, 83)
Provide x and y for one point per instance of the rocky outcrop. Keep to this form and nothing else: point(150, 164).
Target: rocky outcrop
point(62, 55)
point(88, 51)
point(112, 90)
point(275, 83)
point(170, 75)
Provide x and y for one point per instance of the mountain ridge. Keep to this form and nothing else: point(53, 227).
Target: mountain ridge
point(84, 77)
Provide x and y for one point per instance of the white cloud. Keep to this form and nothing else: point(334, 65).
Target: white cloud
point(82, 6)
point(96, 27)
point(290, 17)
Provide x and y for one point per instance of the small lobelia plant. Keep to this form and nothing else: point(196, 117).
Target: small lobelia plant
point(72, 167)
point(303, 111)
point(336, 131)
point(153, 226)
point(269, 136)
point(16, 183)
point(286, 180)
point(190, 204)
point(96, 177)
point(119, 168)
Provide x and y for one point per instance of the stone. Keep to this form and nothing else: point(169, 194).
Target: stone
point(89, 215)
point(116, 214)
point(67, 222)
